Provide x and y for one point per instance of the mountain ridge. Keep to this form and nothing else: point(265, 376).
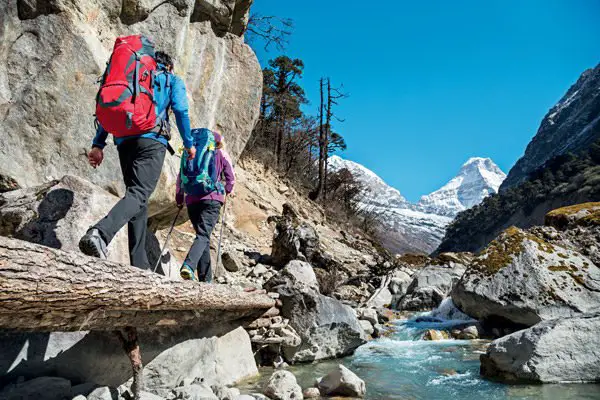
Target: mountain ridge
point(420, 227)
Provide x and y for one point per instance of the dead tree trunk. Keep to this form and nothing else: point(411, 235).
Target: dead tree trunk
point(322, 147)
point(44, 289)
point(130, 344)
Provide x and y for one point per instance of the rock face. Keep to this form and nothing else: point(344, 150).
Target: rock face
point(52, 53)
point(57, 214)
point(430, 286)
point(570, 126)
point(43, 388)
point(327, 327)
point(221, 355)
point(561, 350)
point(523, 279)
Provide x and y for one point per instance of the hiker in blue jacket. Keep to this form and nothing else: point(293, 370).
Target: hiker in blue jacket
point(141, 158)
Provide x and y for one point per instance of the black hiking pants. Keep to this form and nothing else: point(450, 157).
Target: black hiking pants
point(141, 163)
point(203, 216)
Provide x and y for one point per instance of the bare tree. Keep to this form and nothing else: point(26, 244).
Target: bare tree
point(272, 30)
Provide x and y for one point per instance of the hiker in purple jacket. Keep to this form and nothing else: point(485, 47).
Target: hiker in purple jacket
point(204, 214)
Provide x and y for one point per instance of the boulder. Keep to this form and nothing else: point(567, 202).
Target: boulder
point(560, 350)
point(282, 385)
point(342, 382)
point(54, 51)
point(231, 262)
point(521, 279)
point(370, 315)
point(430, 285)
point(293, 239)
point(103, 393)
point(383, 298)
point(43, 388)
point(295, 274)
point(366, 326)
point(311, 393)
point(57, 214)
point(327, 327)
point(400, 282)
point(227, 393)
point(219, 354)
point(432, 334)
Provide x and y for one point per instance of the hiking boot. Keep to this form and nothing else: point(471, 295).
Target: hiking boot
point(186, 273)
point(93, 245)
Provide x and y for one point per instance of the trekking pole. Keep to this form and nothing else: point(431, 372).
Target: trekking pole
point(221, 233)
point(167, 239)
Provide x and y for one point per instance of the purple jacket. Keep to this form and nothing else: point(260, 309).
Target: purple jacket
point(225, 174)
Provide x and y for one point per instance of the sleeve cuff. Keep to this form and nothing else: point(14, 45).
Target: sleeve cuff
point(98, 145)
point(188, 144)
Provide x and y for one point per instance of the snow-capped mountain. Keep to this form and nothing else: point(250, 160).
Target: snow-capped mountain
point(477, 179)
point(408, 227)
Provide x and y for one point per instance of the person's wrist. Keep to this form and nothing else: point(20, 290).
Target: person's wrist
point(97, 146)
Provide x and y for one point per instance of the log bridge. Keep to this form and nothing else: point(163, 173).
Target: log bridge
point(44, 289)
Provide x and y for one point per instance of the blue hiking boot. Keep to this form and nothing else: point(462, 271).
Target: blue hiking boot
point(186, 273)
point(93, 245)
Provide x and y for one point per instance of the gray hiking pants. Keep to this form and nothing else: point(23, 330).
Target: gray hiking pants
point(141, 163)
point(203, 215)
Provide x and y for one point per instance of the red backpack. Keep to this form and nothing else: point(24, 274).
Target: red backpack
point(125, 101)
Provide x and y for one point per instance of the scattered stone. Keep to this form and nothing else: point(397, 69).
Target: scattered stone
point(370, 315)
point(259, 270)
point(194, 392)
point(226, 393)
point(83, 389)
point(560, 350)
point(342, 382)
point(79, 397)
point(432, 334)
point(469, 333)
point(231, 262)
point(377, 330)
point(311, 393)
point(293, 240)
point(282, 385)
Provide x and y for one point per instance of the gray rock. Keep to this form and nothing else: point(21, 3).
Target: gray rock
point(293, 239)
point(327, 327)
point(103, 393)
point(58, 51)
point(231, 262)
point(524, 280)
point(43, 388)
point(220, 354)
point(561, 350)
point(226, 393)
point(311, 393)
point(282, 385)
point(258, 270)
point(342, 382)
point(366, 326)
point(57, 214)
point(469, 333)
point(370, 314)
point(149, 396)
point(400, 282)
point(79, 397)
point(194, 392)
point(430, 286)
point(383, 298)
point(245, 397)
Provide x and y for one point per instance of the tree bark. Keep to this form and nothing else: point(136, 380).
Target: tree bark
point(45, 289)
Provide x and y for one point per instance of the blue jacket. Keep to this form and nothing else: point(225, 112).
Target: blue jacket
point(173, 96)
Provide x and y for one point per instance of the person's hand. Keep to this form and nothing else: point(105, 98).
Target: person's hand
point(191, 152)
point(95, 156)
point(180, 205)
point(231, 194)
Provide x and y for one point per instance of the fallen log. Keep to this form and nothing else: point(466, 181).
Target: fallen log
point(44, 289)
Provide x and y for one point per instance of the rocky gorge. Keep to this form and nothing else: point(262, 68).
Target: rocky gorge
point(301, 307)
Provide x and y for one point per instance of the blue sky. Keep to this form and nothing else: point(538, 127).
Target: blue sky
point(433, 83)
